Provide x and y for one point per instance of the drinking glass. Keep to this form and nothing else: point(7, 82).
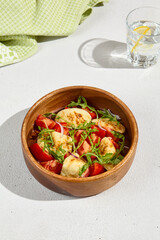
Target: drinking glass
point(143, 36)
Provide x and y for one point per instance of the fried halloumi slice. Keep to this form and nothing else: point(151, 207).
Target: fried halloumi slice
point(73, 116)
point(106, 146)
point(112, 125)
point(72, 165)
point(64, 141)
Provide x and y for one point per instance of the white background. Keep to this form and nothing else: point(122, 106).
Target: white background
point(130, 209)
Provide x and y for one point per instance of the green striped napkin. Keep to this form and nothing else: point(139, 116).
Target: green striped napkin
point(22, 20)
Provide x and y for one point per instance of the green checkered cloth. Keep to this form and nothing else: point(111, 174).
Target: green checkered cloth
point(22, 20)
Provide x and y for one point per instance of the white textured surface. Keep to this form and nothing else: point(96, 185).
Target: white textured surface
point(129, 210)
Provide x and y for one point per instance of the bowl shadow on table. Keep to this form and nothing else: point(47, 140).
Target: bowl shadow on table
point(14, 174)
point(103, 53)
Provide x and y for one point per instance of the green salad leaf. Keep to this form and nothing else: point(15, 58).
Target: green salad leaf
point(58, 154)
point(50, 114)
point(82, 102)
point(105, 114)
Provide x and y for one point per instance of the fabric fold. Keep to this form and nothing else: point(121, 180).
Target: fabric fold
point(21, 21)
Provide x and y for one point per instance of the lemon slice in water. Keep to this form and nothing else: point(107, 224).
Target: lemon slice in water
point(145, 30)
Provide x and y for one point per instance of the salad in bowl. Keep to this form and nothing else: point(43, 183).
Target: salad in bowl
point(79, 140)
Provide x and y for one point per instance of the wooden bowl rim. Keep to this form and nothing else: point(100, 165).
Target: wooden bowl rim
point(87, 179)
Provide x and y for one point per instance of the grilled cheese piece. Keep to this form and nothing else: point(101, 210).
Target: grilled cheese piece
point(106, 146)
point(112, 125)
point(71, 166)
point(64, 141)
point(73, 116)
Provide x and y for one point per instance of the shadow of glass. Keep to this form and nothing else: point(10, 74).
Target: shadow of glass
point(14, 174)
point(103, 53)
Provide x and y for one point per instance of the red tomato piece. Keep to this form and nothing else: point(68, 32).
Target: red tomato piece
point(96, 169)
point(84, 148)
point(86, 173)
point(93, 157)
point(86, 145)
point(92, 114)
point(100, 133)
point(109, 134)
point(53, 166)
point(116, 145)
point(39, 154)
point(105, 133)
point(57, 128)
point(77, 136)
point(94, 138)
point(66, 155)
point(44, 122)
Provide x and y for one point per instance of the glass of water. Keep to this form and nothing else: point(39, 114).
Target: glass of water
point(143, 36)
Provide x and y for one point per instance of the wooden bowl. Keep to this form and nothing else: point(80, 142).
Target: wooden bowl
point(79, 186)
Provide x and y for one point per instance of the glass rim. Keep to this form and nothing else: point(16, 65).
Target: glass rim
point(144, 7)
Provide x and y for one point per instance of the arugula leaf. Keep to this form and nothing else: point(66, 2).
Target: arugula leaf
point(46, 133)
point(121, 145)
point(62, 150)
point(83, 169)
point(49, 114)
point(46, 136)
point(118, 135)
point(58, 154)
point(82, 102)
point(39, 128)
point(100, 159)
point(89, 162)
point(85, 126)
point(84, 135)
point(47, 142)
point(105, 114)
point(105, 159)
point(79, 102)
point(117, 160)
point(72, 134)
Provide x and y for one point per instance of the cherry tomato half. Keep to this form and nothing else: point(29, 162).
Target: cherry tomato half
point(77, 136)
point(84, 148)
point(92, 114)
point(100, 132)
point(109, 134)
point(45, 122)
point(57, 128)
point(39, 154)
point(53, 166)
point(96, 169)
point(86, 173)
point(94, 138)
point(116, 145)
